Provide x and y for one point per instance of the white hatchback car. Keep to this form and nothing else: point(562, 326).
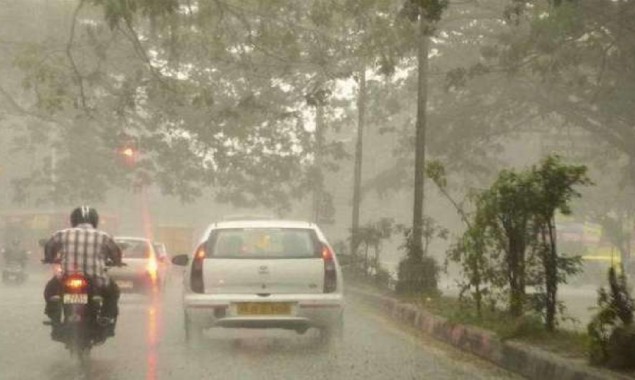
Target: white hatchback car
point(263, 274)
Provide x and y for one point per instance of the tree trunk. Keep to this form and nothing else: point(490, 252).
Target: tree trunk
point(357, 185)
point(420, 140)
point(516, 269)
point(551, 279)
point(476, 281)
point(515, 295)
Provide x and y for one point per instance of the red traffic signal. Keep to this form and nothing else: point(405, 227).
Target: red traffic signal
point(128, 152)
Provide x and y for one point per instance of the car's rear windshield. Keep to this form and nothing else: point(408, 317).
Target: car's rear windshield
point(134, 249)
point(263, 243)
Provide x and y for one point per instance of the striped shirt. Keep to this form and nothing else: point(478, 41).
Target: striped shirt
point(83, 249)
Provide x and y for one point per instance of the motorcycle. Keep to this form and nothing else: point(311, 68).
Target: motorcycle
point(13, 273)
point(82, 326)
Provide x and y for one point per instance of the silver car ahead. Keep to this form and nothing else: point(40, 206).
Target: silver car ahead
point(262, 274)
point(144, 271)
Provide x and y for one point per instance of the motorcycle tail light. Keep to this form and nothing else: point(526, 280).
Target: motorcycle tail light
point(75, 283)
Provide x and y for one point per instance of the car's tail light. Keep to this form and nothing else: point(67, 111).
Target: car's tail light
point(75, 283)
point(196, 277)
point(152, 267)
point(330, 273)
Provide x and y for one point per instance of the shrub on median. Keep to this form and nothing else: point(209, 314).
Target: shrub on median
point(612, 330)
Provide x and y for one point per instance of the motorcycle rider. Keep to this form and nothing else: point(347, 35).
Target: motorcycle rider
point(83, 249)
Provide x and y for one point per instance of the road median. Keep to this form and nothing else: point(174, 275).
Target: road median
point(526, 360)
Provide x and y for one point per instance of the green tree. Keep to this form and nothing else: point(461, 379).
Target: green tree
point(215, 92)
point(371, 237)
point(555, 185)
point(510, 239)
point(469, 250)
point(611, 331)
point(506, 209)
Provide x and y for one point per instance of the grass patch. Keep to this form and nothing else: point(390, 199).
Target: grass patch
point(528, 328)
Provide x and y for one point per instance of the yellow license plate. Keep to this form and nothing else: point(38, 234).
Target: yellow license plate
point(264, 308)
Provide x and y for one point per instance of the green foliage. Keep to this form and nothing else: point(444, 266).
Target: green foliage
point(469, 249)
point(430, 10)
point(555, 187)
point(577, 57)
point(417, 276)
point(366, 265)
point(504, 211)
point(510, 238)
point(118, 11)
point(370, 238)
point(418, 272)
point(612, 331)
point(217, 92)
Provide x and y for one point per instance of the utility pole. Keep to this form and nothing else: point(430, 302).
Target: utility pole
point(357, 181)
point(319, 177)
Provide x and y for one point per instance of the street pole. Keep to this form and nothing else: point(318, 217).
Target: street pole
point(319, 183)
point(361, 113)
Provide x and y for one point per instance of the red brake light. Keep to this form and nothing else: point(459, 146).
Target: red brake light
point(200, 253)
point(196, 277)
point(330, 272)
point(152, 268)
point(75, 283)
point(327, 254)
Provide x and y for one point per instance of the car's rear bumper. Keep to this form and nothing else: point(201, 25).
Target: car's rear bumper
point(136, 282)
point(221, 310)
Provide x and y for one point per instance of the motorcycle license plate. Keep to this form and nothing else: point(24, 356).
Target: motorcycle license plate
point(76, 299)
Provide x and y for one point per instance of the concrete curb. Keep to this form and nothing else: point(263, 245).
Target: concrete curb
point(528, 361)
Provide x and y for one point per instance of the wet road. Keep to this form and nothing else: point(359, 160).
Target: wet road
point(150, 345)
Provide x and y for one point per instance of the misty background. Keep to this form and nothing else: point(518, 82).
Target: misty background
point(224, 110)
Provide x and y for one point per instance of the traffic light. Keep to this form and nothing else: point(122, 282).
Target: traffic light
point(128, 151)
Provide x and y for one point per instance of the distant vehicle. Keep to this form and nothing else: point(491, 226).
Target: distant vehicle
point(163, 260)
point(13, 273)
point(14, 268)
point(144, 271)
point(161, 251)
point(263, 274)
